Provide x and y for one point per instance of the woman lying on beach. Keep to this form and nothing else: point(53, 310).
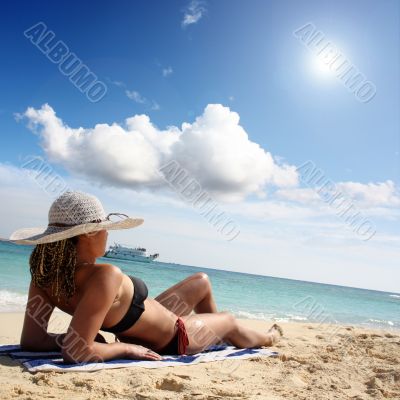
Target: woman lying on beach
point(65, 274)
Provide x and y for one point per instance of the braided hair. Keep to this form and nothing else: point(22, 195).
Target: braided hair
point(55, 263)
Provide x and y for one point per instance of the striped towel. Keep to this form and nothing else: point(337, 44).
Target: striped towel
point(52, 361)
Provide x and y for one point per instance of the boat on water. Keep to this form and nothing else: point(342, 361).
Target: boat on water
point(122, 252)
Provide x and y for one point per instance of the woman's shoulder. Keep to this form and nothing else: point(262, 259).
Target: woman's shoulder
point(102, 272)
point(107, 268)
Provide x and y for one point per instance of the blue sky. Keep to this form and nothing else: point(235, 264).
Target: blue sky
point(243, 57)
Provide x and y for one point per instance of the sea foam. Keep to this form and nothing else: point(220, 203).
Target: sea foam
point(12, 301)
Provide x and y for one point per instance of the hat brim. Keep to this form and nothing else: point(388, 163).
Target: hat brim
point(53, 234)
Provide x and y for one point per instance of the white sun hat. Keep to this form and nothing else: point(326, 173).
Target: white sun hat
point(72, 214)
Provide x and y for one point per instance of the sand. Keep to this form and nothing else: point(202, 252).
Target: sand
point(316, 362)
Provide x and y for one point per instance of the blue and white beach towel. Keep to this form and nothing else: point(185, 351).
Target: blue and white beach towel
point(52, 361)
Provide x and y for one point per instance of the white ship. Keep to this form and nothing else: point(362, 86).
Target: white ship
point(126, 253)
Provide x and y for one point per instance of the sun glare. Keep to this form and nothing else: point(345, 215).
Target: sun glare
point(320, 67)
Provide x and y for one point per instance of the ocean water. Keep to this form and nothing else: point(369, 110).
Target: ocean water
point(245, 295)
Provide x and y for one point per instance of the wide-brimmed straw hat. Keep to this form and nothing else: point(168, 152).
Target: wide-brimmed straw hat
point(72, 214)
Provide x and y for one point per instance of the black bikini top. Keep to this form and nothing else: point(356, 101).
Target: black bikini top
point(135, 310)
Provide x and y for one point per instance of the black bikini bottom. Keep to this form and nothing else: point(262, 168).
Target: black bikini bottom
point(135, 310)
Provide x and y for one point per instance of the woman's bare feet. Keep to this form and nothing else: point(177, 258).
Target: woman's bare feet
point(274, 334)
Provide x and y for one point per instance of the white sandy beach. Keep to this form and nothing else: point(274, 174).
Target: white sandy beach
point(316, 362)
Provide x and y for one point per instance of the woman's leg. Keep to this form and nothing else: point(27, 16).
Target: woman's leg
point(192, 294)
point(206, 329)
point(157, 327)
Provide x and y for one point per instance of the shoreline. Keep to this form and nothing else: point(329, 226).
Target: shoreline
point(333, 325)
point(314, 361)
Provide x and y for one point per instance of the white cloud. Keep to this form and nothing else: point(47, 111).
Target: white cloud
point(155, 106)
point(136, 96)
point(372, 194)
point(214, 149)
point(117, 83)
point(167, 71)
point(275, 210)
point(379, 198)
point(193, 12)
point(300, 195)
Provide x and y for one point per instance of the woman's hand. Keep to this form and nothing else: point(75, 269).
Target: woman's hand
point(137, 352)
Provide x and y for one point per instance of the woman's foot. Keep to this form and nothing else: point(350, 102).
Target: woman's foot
point(274, 334)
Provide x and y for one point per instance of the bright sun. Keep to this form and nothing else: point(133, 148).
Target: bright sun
point(320, 67)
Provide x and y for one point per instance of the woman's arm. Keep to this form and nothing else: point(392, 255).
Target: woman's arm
point(98, 294)
point(79, 343)
point(34, 336)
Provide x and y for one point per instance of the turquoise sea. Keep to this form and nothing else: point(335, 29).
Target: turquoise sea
point(245, 295)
